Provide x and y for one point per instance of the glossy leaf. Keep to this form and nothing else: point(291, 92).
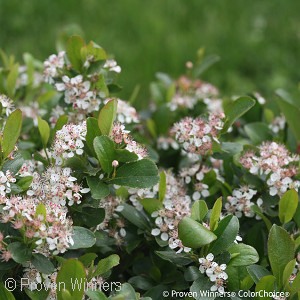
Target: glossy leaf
point(215, 214)
point(194, 234)
point(105, 150)
point(238, 108)
point(288, 204)
point(83, 238)
point(11, 132)
point(226, 232)
point(105, 264)
point(107, 116)
point(139, 174)
point(44, 130)
point(71, 274)
point(99, 189)
point(280, 250)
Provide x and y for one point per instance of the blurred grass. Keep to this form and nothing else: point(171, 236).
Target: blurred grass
point(258, 40)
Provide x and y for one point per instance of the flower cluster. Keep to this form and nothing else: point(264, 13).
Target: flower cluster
point(58, 186)
point(7, 105)
point(197, 173)
point(240, 203)
point(278, 124)
point(68, 141)
point(113, 224)
point(5, 180)
point(175, 206)
point(35, 279)
point(189, 92)
point(79, 94)
point(53, 66)
point(165, 143)
point(121, 136)
point(51, 230)
point(215, 272)
point(274, 163)
point(197, 135)
point(126, 113)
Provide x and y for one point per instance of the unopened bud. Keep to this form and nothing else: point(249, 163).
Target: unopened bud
point(115, 163)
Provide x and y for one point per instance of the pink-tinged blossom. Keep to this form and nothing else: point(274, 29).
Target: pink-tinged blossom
point(240, 202)
point(50, 234)
point(113, 223)
point(53, 66)
point(121, 136)
point(68, 142)
point(175, 206)
point(79, 94)
point(215, 272)
point(5, 180)
point(275, 164)
point(57, 185)
point(197, 135)
point(126, 113)
point(189, 93)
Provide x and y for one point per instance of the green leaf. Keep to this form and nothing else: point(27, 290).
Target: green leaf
point(11, 132)
point(258, 132)
point(287, 272)
point(199, 210)
point(205, 64)
point(288, 204)
point(41, 211)
point(92, 216)
point(44, 130)
point(194, 234)
point(5, 293)
point(151, 204)
point(258, 211)
point(72, 277)
point(126, 292)
point(296, 284)
point(107, 116)
point(215, 214)
point(105, 264)
point(93, 52)
point(74, 45)
point(226, 233)
point(257, 272)
point(238, 108)
point(99, 189)
point(290, 111)
point(105, 151)
point(180, 259)
point(95, 295)
point(25, 182)
point(162, 186)
point(19, 252)
point(242, 255)
point(134, 216)
point(203, 285)
point(83, 238)
point(266, 284)
point(139, 174)
point(42, 263)
point(280, 250)
point(12, 80)
point(123, 155)
point(92, 131)
point(88, 258)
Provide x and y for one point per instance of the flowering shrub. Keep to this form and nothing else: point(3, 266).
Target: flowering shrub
point(197, 197)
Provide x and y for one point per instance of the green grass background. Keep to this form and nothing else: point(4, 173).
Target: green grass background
point(258, 40)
